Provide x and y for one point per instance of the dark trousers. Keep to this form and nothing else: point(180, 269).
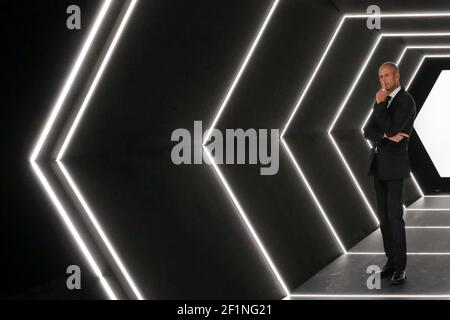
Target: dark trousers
point(389, 194)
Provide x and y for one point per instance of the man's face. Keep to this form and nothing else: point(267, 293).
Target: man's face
point(389, 78)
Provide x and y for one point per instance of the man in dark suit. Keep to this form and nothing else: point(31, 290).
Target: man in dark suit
point(388, 129)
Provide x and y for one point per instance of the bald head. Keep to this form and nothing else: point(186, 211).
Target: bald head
point(391, 65)
point(389, 76)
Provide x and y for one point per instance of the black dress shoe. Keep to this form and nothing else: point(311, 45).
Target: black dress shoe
point(399, 277)
point(388, 270)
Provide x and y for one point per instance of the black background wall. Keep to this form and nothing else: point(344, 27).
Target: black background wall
point(175, 227)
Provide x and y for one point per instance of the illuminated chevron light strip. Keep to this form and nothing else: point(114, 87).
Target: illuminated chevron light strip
point(290, 154)
point(43, 137)
point(408, 253)
point(230, 192)
point(241, 70)
point(347, 98)
point(88, 211)
point(316, 201)
point(419, 47)
point(427, 227)
point(428, 209)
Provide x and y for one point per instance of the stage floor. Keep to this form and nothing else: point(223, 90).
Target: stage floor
point(428, 269)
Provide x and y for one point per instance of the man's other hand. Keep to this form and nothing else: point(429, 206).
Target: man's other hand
point(398, 137)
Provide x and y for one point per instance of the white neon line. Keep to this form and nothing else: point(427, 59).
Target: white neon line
point(43, 137)
point(431, 296)
point(437, 55)
point(335, 143)
point(365, 122)
point(100, 231)
point(247, 222)
point(428, 209)
point(429, 47)
point(311, 79)
point(399, 60)
point(319, 206)
point(436, 196)
point(355, 82)
point(96, 80)
point(67, 141)
point(73, 231)
point(70, 80)
point(399, 15)
point(355, 181)
point(216, 168)
point(415, 72)
point(362, 128)
point(427, 227)
point(420, 47)
point(344, 103)
point(418, 34)
point(241, 71)
point(408, 253)
point(417, 184)
point(419, 65)
point(291, 156)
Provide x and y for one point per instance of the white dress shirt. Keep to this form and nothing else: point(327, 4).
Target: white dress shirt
point(392, 95)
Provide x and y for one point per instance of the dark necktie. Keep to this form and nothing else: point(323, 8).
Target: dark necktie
point(388, 98)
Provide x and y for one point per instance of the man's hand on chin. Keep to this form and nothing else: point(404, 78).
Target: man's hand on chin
point(381, 95)
point(398, 137)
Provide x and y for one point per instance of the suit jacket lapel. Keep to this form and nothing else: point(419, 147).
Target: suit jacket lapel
point(393, 102)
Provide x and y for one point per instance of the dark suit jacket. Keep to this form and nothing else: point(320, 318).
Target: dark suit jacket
point(392, 159)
